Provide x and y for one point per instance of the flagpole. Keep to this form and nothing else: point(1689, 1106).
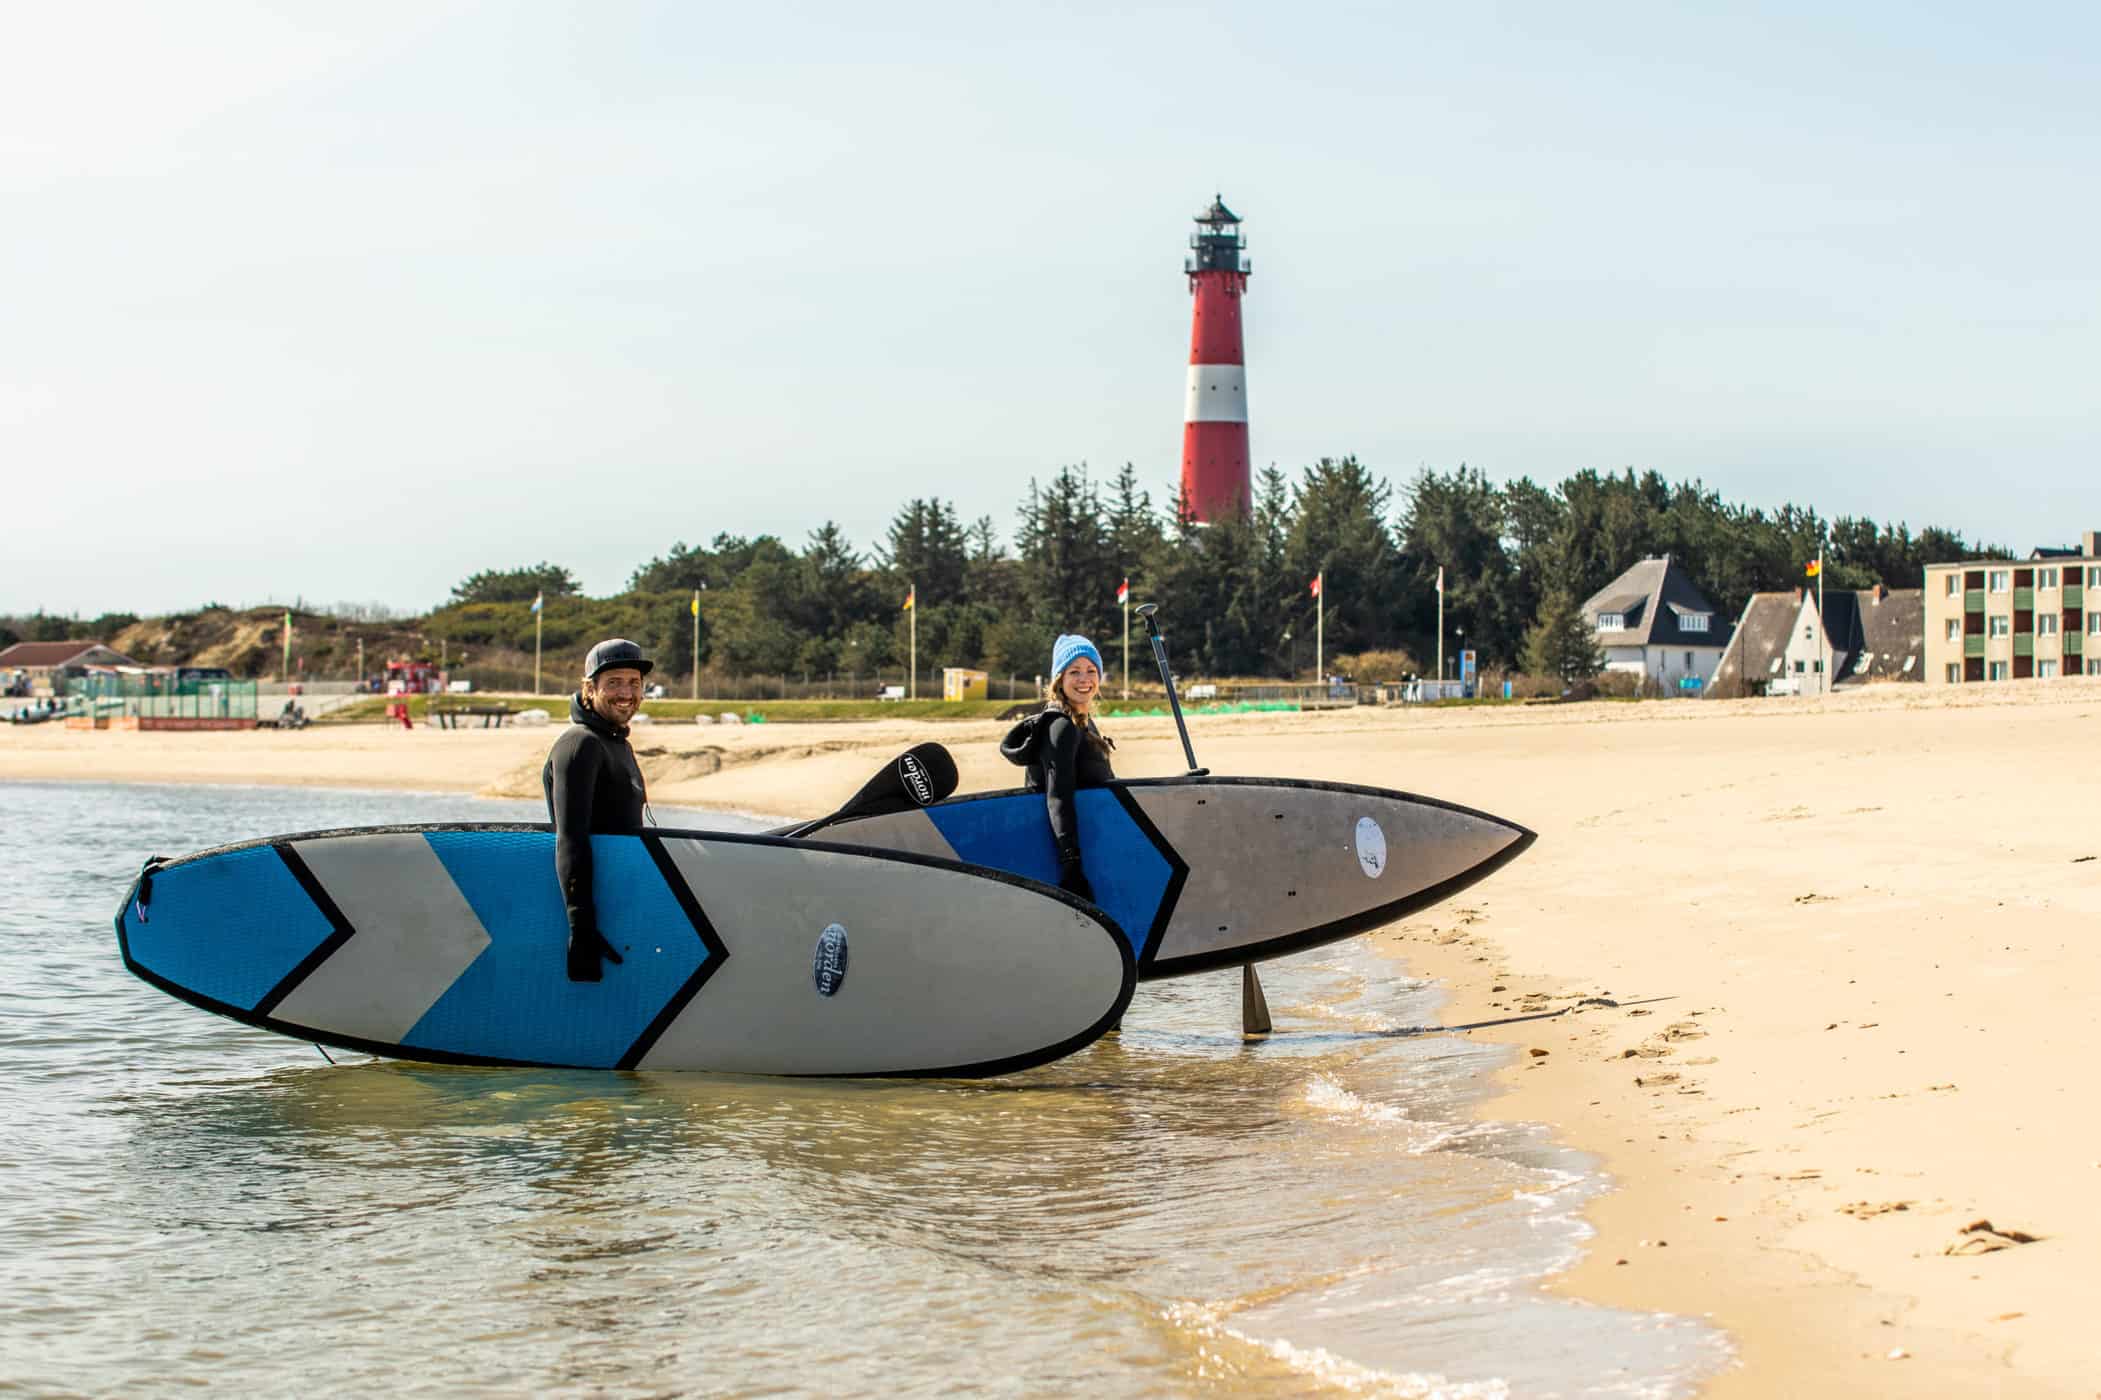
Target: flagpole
point(912, 681)
point(1440, 630)
point(1320, 626)
point(1823, 631)
point(287, 668)
point(696, 644)
point(539, 616)
point(1127, 639)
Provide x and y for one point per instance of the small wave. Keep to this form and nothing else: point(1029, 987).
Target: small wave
point(1332, 1372)
point(1325, 1094)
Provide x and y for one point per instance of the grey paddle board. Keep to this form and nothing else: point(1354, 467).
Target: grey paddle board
point(1204, 872)
point(743, 954)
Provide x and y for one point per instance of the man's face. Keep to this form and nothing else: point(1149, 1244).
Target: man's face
point(616, 694)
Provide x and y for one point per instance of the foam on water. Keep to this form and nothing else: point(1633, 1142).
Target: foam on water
point(1176, 1210)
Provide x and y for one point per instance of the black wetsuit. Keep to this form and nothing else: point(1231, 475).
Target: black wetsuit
point(593, 785)
point(1060, 762)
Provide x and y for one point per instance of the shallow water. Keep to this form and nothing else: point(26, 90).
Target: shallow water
point(185, 1200)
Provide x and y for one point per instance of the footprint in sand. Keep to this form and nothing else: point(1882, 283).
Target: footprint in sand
point(1867, 1210)
point(1981, 1237)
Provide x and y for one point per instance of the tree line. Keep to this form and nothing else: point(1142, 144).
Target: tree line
point(1235, 595)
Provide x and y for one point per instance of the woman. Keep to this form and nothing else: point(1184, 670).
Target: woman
point(1064, 752)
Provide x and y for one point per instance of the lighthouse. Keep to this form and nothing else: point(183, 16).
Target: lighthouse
point(1215, 481)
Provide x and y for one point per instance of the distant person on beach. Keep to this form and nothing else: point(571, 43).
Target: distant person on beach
point(1063, 751)
point(594, 786)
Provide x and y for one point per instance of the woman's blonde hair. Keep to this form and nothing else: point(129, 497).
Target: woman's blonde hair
point(1054, 698)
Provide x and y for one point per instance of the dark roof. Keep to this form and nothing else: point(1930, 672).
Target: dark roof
point(1218, 213)
point(42, 654)
point(1886, 628)
point(1760, 637)
point(1654, 596)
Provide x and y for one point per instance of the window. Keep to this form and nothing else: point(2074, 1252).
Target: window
point(2046, 578)
point(2046, 624)
point(1800, 667)
point(2093, 624)
point(1774, 669)
point(2045, 670)
point(1998, 671)
point(1909, 662)
point(1612, 622)
point(2093, 665)
point(2093, 578)
point(1954, 584)
point(1996, 580)
point(1860, 667)
point(2000, 624)
point(1688, 663)
point(1954, 629)
point(1692, 622)
point(1954, 673)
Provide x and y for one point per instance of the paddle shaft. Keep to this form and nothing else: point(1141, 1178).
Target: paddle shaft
point(1254, 1007)
point(1152, 630)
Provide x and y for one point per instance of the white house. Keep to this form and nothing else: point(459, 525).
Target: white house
point(1652, 621)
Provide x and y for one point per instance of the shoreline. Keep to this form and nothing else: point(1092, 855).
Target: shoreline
point(1866, 913)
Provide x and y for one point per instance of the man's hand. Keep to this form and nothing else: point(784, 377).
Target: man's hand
point(1073, 880)
point(587, 948)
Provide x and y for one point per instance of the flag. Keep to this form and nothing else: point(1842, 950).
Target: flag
point(288, 618)
point(1123, 593)
point(1316, 582)
point(1440, 578)
point(1816, 566)
point(911, 597)
point(696, 602)
point(538, 599)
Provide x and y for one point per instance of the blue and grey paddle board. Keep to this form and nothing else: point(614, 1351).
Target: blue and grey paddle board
point(742, 954)
point(1203, 872)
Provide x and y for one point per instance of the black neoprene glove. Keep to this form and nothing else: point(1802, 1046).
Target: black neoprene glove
point(587, 948)
point(1073, 880)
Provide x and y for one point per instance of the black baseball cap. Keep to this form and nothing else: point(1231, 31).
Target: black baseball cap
point(613, 652)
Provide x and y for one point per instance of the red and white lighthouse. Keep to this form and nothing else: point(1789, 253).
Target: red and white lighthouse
point(1215, 481)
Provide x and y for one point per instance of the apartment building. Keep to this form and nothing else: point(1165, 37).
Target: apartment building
point(2015, 619)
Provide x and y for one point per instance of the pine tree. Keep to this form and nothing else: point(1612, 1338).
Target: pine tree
point(1561, 644)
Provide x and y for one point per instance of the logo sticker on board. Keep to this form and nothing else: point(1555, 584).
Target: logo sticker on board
point(915, 779)
point(828, 967)
point(1371, 848)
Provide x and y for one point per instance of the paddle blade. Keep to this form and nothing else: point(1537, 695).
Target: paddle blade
point(919, 777)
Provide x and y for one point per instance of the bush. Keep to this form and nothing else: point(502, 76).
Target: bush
point(1371, 667)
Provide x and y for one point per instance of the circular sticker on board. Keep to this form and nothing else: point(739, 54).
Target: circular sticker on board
point(828, 967)
point(1371, 848)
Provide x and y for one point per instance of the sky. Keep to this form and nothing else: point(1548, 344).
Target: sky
point(345, 303)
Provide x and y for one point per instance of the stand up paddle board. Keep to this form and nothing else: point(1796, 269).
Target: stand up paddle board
point(742, 954)
point(1204, 872)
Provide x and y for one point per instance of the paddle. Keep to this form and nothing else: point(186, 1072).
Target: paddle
point(919, 777)
point(1254, 1007)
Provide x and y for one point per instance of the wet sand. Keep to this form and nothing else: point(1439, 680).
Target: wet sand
point(1852, 942)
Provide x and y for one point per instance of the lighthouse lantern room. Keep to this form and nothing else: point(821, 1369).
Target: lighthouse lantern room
point(1215, 479)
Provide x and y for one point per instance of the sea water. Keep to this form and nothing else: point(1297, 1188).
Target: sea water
point(185, 1201)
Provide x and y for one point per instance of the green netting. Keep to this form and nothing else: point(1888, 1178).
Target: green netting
point(159, 696)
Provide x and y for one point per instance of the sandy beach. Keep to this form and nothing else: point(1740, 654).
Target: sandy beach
point(1828, 970)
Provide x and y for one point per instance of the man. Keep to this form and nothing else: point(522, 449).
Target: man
point(594, 785)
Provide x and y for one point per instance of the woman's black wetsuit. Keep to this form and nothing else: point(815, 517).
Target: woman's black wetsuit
point(1060, 761)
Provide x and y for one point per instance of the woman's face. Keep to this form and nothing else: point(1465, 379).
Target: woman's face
point(1082, 679)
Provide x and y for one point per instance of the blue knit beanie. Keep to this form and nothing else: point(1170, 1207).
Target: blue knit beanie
point(1070, 647)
